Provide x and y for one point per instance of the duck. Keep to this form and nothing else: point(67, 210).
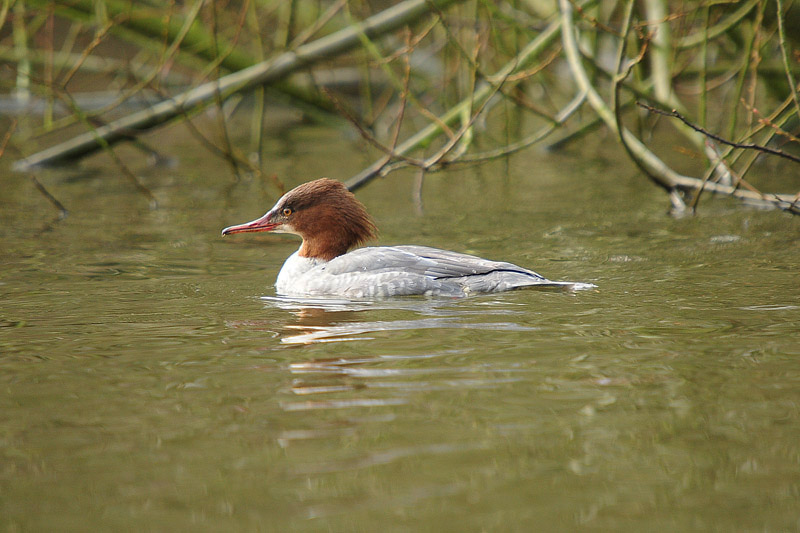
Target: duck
point(332, 222)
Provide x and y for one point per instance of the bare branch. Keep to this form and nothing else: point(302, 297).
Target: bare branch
point(263, 73)
point(483, 91)
point(743, 146)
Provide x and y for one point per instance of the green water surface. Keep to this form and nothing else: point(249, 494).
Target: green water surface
point(146, 385)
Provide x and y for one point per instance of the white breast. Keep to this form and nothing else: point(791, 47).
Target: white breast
point(293, 273)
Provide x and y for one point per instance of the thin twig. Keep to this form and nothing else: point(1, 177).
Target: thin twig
point(695, 39)
point(742, 146)
point(409, 46)
point(62, 211)
point(259, 94)
point(227, 149)
point(99, 36)
point(406, 89)
point(419, 180)
point(703, 103)
point(731, 158)
point(438, 157)
point(768, 122)
point(742, 75)
point(592, 20)
point(312, 29)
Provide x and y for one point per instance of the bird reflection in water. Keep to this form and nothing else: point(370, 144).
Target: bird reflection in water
point(330, 320)
point(366, 390)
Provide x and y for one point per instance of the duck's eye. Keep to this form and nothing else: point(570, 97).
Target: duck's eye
point(287, 211)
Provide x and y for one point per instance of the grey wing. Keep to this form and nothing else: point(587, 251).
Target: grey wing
point(475, 274)
point(447, 264)
point(379, 259)
point(422, 260)
point(389, 271)
point(397, 270)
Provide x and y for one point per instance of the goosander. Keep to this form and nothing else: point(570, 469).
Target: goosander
point(331, 221)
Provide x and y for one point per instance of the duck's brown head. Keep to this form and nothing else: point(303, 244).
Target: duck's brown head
point(323, 212)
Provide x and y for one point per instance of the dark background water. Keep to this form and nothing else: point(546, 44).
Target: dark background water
point(146, 384)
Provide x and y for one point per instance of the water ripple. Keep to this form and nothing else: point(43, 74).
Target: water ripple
point(770, 308)
point(386, 457)
point(341, 404)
